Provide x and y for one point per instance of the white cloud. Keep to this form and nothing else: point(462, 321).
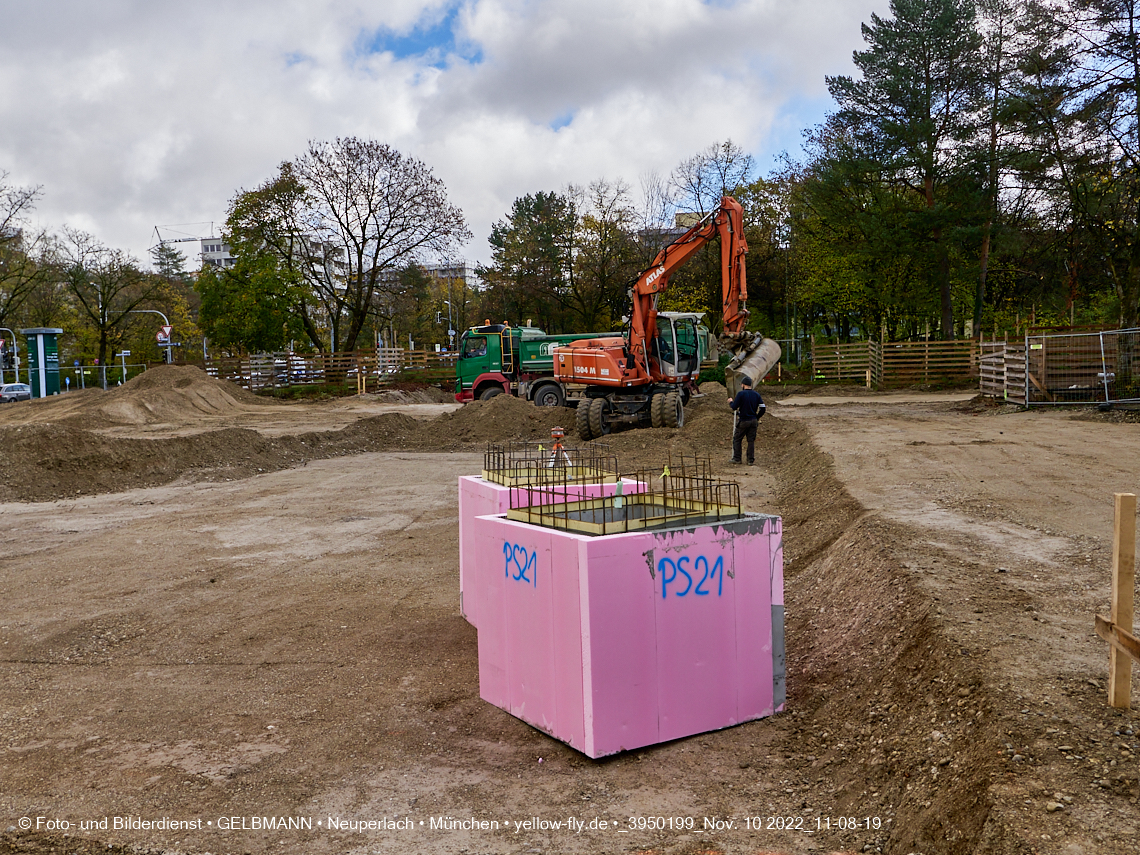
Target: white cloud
point(133, 115)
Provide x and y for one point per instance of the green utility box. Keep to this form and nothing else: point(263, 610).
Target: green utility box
point(43, 360)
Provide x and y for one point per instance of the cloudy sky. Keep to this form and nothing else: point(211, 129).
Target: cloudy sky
point(132, 115)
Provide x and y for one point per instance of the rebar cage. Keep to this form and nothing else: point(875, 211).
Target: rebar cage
point(680, 494)
point(523, 463)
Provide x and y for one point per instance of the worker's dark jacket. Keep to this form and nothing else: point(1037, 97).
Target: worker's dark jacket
point(749, 405)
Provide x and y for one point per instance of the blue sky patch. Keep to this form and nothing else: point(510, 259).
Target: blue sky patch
point(562, 121)
point(432, 39)
point(794, 116)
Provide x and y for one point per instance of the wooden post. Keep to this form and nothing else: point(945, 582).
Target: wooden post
point(1123, 588)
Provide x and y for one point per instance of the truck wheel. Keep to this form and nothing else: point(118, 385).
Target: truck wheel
point(549, 396)
point(490, 392)
point(582, 420)
point(674, 410)
point(657, 411)
point(599, 409)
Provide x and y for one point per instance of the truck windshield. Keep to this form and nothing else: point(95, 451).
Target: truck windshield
point(475, 345)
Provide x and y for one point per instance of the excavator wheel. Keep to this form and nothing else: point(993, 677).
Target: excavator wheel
point(657, 410)
point(582, 420)
point(674, 410)
point(599, 407)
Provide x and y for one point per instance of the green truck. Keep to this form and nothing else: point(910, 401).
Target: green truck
point(498, 359)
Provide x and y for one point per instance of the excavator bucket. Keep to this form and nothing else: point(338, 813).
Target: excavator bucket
point(753, 357)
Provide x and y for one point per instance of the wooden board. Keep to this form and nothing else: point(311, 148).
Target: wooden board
point(1123, 641)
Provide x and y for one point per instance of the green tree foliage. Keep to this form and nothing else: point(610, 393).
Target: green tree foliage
point(531, 275)
point(768, 262)
point(272, 255)
point(1079, 101)
point(908, 122)
point(341, 221)
point(248, 307)
point(169, 263)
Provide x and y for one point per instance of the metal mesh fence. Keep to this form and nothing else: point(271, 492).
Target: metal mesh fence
point(1082, 368)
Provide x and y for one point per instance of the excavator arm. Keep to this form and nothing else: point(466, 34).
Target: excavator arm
point(630, 363)
point(727, 223)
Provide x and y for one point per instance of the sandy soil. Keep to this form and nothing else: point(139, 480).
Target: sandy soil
point(180, 401)
point(213, 620)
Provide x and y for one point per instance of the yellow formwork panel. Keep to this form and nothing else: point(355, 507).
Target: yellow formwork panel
point(618, 514)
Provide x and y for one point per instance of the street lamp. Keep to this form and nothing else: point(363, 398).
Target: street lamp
point(169, 355)
point(458, 316)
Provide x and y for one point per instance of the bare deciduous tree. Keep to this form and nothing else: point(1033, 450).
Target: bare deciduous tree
point(106, 283)
point(20, 251)
point(701, 180)
point(368, 212)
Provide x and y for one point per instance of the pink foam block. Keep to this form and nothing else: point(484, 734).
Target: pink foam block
point(616, 642)
point(479, 498)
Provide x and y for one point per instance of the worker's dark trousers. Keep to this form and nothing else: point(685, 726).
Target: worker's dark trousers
point(744, 429)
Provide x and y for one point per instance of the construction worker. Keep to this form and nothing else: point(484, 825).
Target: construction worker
point(749, 407)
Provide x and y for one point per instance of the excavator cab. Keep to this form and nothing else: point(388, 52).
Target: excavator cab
point(676, 345)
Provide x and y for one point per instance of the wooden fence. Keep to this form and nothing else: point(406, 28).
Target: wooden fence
point(1041, 370)
point(842, 363)
point(365, 368)
point(896, 363)
point(1002, 371)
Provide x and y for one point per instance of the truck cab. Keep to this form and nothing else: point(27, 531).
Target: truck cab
point(496, 359)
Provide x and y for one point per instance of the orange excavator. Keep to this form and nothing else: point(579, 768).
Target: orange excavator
point(645, 377)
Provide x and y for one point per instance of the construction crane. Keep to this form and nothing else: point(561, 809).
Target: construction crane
point(161, 241)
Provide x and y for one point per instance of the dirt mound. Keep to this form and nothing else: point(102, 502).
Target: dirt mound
point(168, 393)
point(870, 674)
point(427, 395)
point(42, 462)
point(184, 378)
point(52, 461)
point(501, 418)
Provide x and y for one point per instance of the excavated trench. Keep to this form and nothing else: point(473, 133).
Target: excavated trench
point(893, 717)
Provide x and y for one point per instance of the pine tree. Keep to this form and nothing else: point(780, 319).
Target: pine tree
point(912, 115)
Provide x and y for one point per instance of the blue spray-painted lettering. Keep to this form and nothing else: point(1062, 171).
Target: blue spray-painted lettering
point(670, 570)
point(523, 561)
point(670, 574)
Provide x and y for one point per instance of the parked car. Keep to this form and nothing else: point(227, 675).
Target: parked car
point(12, 392)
